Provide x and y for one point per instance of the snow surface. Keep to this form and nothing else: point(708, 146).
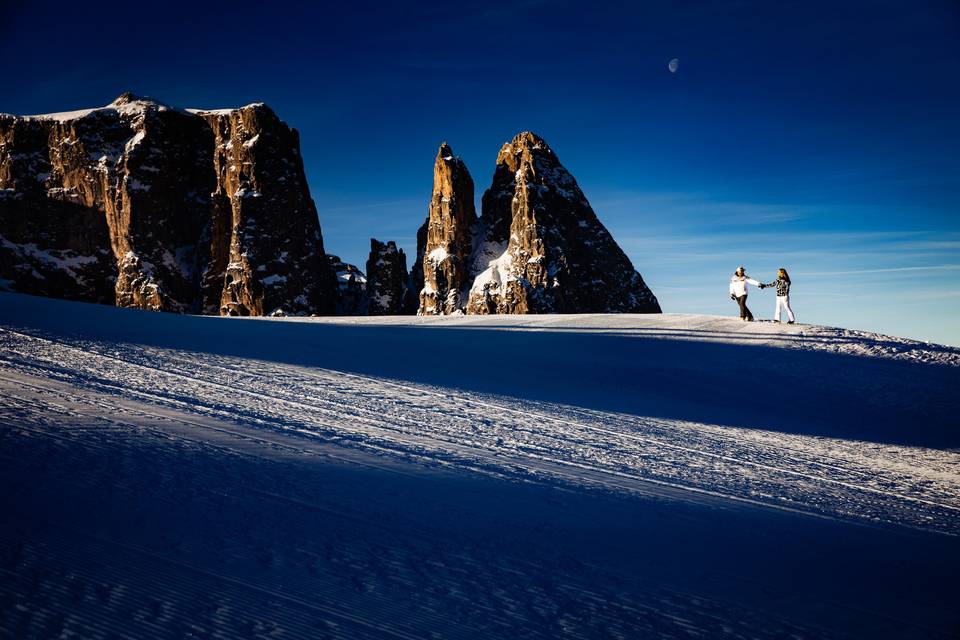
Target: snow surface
point(224, 112)
point(131, 108)
point(472, 477)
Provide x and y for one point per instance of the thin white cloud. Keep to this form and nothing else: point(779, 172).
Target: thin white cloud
point(855, 272)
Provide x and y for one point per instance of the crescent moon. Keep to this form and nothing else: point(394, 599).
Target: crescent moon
point(673, 65)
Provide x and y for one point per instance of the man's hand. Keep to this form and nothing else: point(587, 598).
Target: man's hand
point(733, 297)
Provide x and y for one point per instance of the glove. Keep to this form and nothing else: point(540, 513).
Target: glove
point(733, 297)
point(763, 286)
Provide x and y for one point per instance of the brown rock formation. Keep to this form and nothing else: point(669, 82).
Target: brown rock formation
point(416, 270)
point(447, 241)
point(50, 243)
point(387, 280)
point(352, 287)
point(275, 261)
point(544, 249)
point(192, 212)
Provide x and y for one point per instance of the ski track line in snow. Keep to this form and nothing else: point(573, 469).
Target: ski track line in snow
point(631, 487)
point(575, 479)
point(325, 380)
point(460, 399)
point(465, 400)
point(407, 453)
point(590, 468)
point(42, 385)
point(418, 390)
point(607, 417)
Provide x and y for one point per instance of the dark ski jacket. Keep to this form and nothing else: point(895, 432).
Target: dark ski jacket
point(783, 286)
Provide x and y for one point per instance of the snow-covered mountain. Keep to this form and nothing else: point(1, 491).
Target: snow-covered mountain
point(538, 247)
point(143, 205)
point(661, 476)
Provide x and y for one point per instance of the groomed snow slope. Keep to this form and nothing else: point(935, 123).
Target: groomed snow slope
point(499, 477)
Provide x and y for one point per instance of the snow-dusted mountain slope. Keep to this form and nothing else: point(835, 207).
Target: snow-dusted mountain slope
point(500, 477)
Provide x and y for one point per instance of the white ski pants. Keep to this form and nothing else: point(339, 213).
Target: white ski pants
point(783, 302)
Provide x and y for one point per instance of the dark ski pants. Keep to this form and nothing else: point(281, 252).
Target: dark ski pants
point(744, 311)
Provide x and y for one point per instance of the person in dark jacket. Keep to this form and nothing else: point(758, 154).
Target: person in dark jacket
point(782, 283)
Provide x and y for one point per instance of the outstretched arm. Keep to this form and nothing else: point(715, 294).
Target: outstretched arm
point(753, 282)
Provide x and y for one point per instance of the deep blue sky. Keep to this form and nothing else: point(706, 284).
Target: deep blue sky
point(822, 137)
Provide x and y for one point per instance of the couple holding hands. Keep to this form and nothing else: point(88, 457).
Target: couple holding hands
point(738, 293)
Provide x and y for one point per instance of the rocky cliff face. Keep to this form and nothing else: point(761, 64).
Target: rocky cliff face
point(538, 247)
point(275, 260)
point(387, 280)
point(543, 248)
point(351, 286)
point(173, 210)
point(447, 238)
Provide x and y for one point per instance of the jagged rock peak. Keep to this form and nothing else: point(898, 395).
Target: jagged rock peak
point(387, 278)
point(525, 140)
point(126, 98)
point(445, 241)
point(205, 212)
point(544, 250)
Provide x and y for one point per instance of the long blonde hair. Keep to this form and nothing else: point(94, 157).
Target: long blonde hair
point(782, 273)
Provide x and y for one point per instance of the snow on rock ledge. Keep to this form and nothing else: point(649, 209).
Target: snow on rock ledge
point(126, 186)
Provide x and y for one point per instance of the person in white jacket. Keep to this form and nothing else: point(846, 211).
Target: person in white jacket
point(738, 292)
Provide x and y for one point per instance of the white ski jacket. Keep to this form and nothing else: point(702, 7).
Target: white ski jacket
point(738, 285)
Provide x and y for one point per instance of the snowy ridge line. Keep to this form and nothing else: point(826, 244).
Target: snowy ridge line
point(460, 461)
point(499, 407)
point(591, 468)
point(604, 415)
point(670, 445)
point(813, 477)
point(451, 396)
point(390, 448)
point(78, 399)
point(473, 451)
point(804, 453)
point(550, 418)
point(235, 433)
